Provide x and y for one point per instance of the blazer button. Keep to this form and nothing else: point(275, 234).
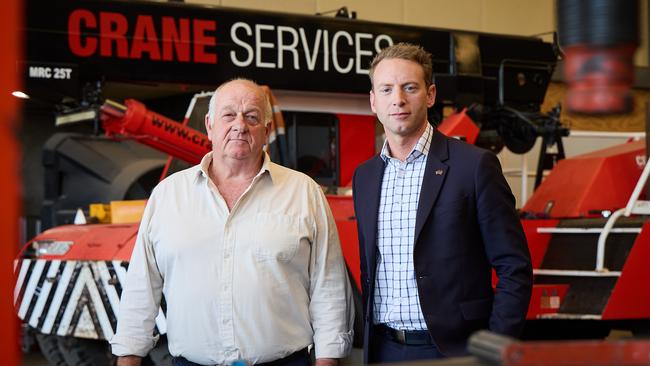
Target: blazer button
point(421, 277)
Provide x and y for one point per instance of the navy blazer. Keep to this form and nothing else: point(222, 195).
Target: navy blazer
point(466, 224)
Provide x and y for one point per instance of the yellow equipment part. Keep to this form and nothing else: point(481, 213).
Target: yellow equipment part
point(118, 212)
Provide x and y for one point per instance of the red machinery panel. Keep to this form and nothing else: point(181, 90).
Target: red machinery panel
point(343, 212)
point(630, 298)
point(582, 185)
point(460, 125)
point(92, 242)
point(356, 144)
point(537, 242)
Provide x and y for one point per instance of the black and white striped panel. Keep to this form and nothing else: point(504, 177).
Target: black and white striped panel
point(72, 298)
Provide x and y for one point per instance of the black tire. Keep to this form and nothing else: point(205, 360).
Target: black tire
point(86, 352)
point(49, 345)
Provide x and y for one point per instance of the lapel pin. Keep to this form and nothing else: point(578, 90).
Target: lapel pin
point(439, 172)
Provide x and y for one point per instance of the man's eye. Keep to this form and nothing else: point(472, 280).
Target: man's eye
point(228, 116)
point(252, 118)
point(384, 90)
point(410, 88)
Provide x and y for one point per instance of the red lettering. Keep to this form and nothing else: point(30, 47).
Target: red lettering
point(74, 33)
point(182, 39)
point(201, 41)
point(113, 27)
point(178, 38)
point(145, 39)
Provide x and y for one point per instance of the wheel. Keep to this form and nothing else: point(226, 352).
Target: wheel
point(86, 352)
point(49, 346)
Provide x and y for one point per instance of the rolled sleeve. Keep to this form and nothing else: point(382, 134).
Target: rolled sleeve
point(132, 346)
point(331, 307)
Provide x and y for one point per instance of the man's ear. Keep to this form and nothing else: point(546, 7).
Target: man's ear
point(372, 101)
point(431, 95)
point(208, 126)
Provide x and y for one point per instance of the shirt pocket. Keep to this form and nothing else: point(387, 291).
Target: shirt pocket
point(276, 237)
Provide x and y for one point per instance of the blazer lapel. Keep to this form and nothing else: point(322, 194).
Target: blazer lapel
point(371, 205)
point(434, 176)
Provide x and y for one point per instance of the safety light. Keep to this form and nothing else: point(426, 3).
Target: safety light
point(51, 247)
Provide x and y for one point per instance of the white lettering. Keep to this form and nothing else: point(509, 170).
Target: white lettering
point(62, 73)
point(259, 45)
point(335, 59)
point(382, 37)
point(347, 52)
point(310, 56)
point(290, 47)
point(361, 52)
point(246, 46)
point(326, 54)
point(40, 72)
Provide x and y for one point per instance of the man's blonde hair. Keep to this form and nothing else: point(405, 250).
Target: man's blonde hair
point(409, 52)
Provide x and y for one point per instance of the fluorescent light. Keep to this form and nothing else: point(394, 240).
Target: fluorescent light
point(19, 94)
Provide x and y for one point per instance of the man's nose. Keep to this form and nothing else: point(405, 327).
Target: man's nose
point(239, 124)
point(397, 97)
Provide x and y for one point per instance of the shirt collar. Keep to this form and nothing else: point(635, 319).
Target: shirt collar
point(420, 148)
point(204, 166)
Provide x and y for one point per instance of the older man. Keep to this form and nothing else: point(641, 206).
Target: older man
point(245, 252)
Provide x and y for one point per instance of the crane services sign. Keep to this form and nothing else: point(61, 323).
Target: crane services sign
point(137, 41)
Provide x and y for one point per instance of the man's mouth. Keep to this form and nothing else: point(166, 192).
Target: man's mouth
point(240, 140)
point(400, 115)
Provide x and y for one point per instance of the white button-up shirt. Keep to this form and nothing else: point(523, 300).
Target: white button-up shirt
point(256, 283)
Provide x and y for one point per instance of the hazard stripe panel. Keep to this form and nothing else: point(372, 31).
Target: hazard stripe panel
point(72, 298)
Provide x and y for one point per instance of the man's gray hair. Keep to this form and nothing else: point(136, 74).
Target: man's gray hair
point(267, 108)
